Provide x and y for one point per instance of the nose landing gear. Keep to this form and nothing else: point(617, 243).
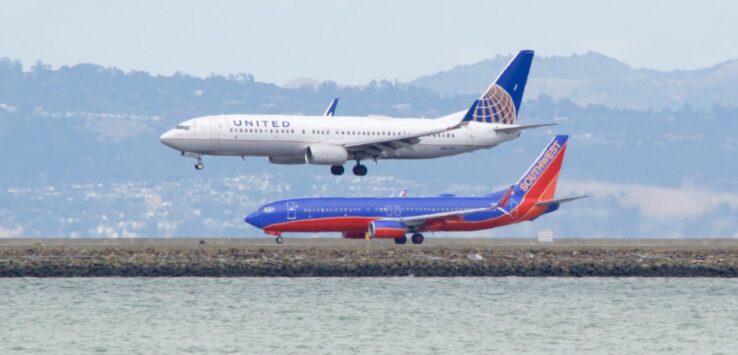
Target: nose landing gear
point(199, 165)
point(279, 239)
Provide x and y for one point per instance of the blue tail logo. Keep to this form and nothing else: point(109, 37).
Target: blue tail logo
point(501, 102)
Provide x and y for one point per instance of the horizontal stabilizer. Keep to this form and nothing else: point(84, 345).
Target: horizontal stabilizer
point(559, 201)
point(518, 128)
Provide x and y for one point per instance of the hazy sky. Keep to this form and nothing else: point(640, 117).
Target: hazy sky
point(355, 41)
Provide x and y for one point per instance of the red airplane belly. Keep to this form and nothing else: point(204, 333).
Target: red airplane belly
point(331, 224)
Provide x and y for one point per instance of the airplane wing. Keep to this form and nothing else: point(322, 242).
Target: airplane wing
point(559, 201)
point(385, 146)
point(331, 110)
point(418, 220)
point(518, 128)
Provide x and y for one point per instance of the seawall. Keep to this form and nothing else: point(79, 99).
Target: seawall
point(352, 258)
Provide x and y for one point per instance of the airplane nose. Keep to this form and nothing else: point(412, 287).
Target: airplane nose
point(252, 219)
point(167, 138)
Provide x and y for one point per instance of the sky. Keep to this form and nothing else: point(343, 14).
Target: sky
point(353, 42)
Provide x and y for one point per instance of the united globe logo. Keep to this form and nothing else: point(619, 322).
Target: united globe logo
point(495, 106)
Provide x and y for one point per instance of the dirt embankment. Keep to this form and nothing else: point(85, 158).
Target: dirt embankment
point(357, 258)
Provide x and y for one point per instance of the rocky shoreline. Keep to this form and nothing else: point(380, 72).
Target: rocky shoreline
point(363, 260)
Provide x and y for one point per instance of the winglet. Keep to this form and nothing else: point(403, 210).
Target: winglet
point(505, 198)
point(331, 107)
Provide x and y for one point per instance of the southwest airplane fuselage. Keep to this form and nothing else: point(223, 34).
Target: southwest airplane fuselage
point(531, 197)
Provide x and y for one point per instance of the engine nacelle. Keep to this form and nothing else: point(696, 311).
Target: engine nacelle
point(326, 154)
point(287, 160)
point(386, 229)
point(354, 235)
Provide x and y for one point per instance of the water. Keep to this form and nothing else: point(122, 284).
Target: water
point(378, 315)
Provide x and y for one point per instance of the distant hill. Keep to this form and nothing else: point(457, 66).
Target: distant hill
point(81, 152)
point(594, 78)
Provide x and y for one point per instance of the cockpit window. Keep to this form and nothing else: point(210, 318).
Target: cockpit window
point(184, 128)
point(269, 209)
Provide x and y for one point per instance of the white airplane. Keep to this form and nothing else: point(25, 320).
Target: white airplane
point(333, 141)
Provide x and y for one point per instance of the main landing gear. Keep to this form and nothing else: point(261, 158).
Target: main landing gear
point(199, 165)
point(359, 170)
point(337, 170)
point(417, 238)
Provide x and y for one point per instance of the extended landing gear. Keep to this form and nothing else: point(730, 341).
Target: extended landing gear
point(401, 240)
point(360, 170)
point(417, 238)
point(337, 170)
point(199, 165)
point(279, 239)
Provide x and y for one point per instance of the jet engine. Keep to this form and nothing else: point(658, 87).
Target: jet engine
point(326, 154)
point(386, 229)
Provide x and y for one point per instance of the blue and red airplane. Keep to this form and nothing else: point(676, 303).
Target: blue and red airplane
point(367, 217)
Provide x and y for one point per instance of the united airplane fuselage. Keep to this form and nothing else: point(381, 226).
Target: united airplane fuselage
point(331, 140)
point(285, 139)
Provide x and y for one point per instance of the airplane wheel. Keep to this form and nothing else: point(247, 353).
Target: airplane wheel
point(360, 170)
point(199, 166)
point(279, 239)
point(401, 240)
point(418, 238)
point(337, 170)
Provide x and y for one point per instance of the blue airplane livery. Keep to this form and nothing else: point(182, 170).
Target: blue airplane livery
point(395, 217)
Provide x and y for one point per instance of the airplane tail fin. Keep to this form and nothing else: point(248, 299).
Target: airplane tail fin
point(539, 182)
point(501, 102)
